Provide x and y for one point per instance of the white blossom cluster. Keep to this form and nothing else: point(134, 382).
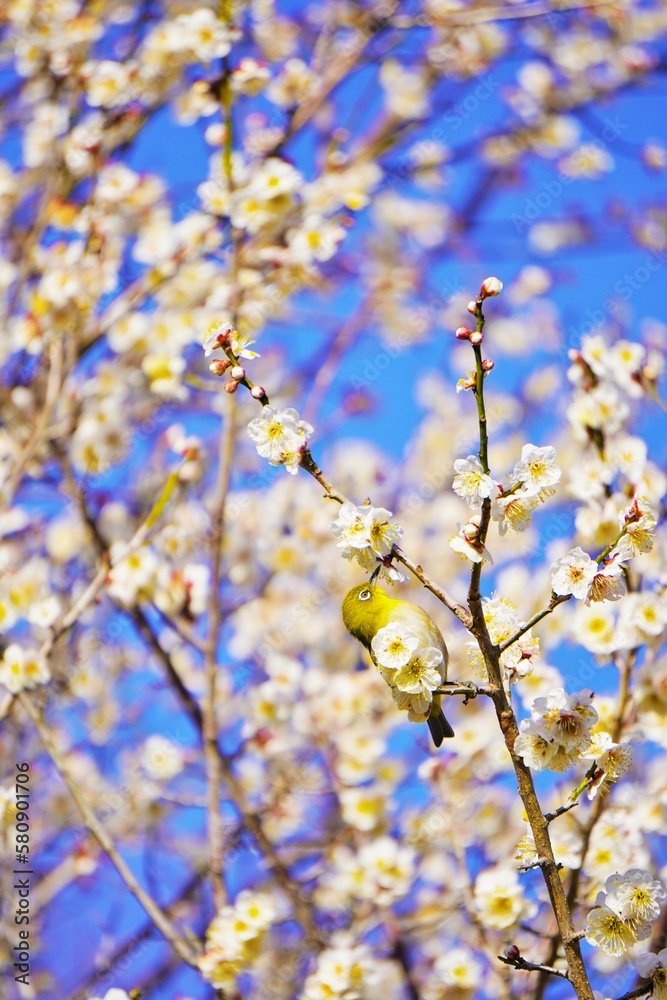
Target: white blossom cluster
point(560, 734)
point(503, 622)
point(412, 671)
point(625, 911)
point(234, 938)
point(280, 436)
point(531, 482)
point(365, 534)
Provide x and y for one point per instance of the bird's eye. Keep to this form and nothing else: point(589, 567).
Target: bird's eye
point(364, 595)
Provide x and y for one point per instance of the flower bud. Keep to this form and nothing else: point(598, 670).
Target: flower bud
point(472, 307)
point(463, 333)
point(219, 367)
point(512, 953)
point(488, 365)
point(257, 391)
point(237, 373)
point(231, 387)
point(471, 530)
point(490, 287)
point(476, 338)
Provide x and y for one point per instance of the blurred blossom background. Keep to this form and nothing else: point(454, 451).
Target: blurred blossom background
point(335, 180)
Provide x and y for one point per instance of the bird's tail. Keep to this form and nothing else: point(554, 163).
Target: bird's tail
point(438, 726)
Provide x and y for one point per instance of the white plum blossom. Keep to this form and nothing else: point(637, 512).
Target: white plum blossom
point(471, 483)
point(558, 732)
point(280, 436)
point(421, 675)
point(536, 469)
point(503, 622)
point(514, 510)
point(216, 333)
point(639, 523)
point(654, 967)
point(22, 667)
point(636, 896)
point(607, 930)
point(573, 574)
point(365, 532)
point(161, 759)
point(608, 584)
point(342, 973)
point(457, 967)
point(132, 576)
point(235, 936)
point(611, 761)
point(499, 898)
point(625, 910)
point(204, 33)
point(315, 239)
point(394, 645)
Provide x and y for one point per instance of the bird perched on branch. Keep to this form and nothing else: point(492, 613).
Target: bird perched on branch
point(408, 649)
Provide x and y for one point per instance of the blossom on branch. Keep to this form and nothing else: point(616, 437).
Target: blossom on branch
point(22, 668)
point(365, 533)
point(471, 483)
point(559, 731)
point(280, 436)
point(625, 911)
point(536, 470)
point(573, 574)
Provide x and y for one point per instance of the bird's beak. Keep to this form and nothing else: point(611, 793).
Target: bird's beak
point(374, 575)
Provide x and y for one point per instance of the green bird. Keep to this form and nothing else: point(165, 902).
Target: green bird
point(413, 652)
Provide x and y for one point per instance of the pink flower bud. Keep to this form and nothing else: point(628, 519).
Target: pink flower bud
point(512, 953)
point(231, 387)
point(237, 373)
point(491, 287)
point(476, 338)
point(463, 333)
point(488, 365)
point(219, 367)
point(257, 391)
point(472, 307)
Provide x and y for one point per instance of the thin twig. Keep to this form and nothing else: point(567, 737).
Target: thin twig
point(101, 577)
point(551, 816)
point(52, 394)
point(214, 617)
point(640, 991)
point(553, 604)
point(521, 963)
point(577, 973)
point(160, 919)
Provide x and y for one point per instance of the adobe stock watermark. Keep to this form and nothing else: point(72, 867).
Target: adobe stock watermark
point(624, 289)
point(551, 190)
point(455, 116)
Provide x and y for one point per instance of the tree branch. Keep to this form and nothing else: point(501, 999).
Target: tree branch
point(160, 919)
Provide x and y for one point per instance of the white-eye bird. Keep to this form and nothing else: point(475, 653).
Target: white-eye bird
point(409, 652)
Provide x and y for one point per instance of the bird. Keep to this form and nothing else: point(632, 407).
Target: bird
point(367, 609)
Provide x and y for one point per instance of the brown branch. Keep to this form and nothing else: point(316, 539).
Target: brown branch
point(123, 951)
point(521, 963)
point(214, 615)
point(53, 389)
point(538, 823)
point(553, 604)
point(158, 916)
